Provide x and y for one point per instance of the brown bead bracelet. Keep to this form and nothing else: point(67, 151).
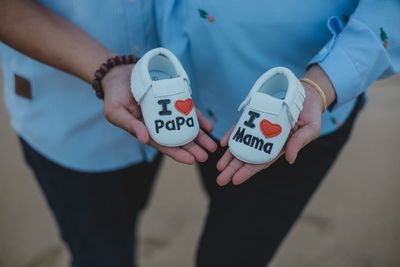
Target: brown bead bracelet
point(106, 67)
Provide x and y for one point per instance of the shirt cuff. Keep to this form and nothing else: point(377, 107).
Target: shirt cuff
point(349, 58)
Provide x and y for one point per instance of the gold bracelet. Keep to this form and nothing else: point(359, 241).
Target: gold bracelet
point(319, 90)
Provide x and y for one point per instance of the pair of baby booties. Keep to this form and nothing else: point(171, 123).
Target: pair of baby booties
point(161, 87)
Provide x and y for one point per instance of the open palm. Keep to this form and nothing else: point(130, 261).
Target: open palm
point(121, 109)
point(306, 129)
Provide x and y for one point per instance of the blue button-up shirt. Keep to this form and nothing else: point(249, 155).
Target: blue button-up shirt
point(224, 45)
point(63, 120)
point(229, 44)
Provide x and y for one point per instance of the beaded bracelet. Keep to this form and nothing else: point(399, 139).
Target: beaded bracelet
point(106, 67)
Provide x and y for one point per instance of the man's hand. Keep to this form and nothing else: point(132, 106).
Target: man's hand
point(121, 109)
point(306, 129)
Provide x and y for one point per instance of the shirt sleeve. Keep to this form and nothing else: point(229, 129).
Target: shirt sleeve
point(364, 50)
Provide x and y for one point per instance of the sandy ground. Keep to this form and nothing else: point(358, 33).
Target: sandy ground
point(352, 221)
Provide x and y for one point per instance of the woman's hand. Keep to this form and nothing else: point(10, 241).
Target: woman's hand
point(121, 109)
point(234, 170)
point(306, 129)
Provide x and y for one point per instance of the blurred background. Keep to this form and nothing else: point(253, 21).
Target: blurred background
point(352, 221)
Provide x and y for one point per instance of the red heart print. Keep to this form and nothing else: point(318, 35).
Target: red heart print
point(270, 129)
point(184, 106)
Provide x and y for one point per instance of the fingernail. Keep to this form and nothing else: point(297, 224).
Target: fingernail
point(293, 160)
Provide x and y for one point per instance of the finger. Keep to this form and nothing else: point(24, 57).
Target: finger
point(204, 122)
point(206, 141)
point(298, 140)
point(197, 152)
point(122, 118)
point(224, 160)
point(226, 175)
point(248, 170)
point(175, 153)
point(225, 138)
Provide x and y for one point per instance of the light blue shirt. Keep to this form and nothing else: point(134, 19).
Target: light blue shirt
point(229, 44)
point(64, 120)
point(224, 45)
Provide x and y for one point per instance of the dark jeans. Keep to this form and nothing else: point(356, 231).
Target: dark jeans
point(97, 213)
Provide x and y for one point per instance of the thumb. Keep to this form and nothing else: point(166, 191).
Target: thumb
point(123, 119)
point(225, 138)
point(298, 140)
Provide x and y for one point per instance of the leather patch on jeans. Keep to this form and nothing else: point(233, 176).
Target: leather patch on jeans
point(22, 87)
